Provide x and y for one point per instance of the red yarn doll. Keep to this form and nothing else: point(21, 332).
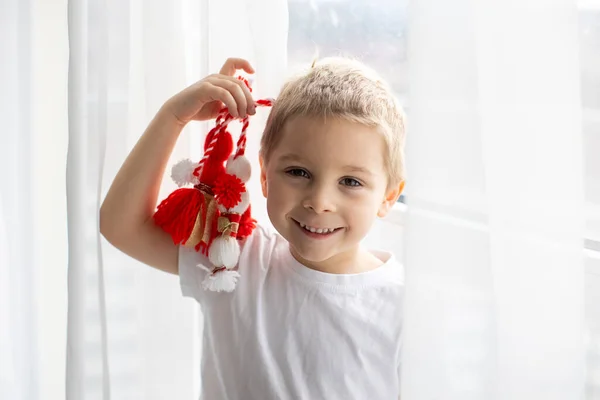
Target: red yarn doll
point(215, 213)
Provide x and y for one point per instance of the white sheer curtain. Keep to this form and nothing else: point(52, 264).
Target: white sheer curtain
point(500, 293)
point(495, 224)
point(20, 184)
point(80, 80)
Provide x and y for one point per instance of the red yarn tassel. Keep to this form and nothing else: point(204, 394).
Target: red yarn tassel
point(177, 213)
point(247, 224)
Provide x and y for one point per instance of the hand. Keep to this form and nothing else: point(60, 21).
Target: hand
point(204, 99)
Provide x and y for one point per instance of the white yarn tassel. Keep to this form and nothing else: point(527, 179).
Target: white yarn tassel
point(221, 281)
point(182, 172)
point(224, 251)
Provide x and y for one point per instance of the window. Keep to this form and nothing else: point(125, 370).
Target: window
point(373, 32)
point(376, 33)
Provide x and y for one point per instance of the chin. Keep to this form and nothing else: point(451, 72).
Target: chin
point(311, 257)
point(313, 252)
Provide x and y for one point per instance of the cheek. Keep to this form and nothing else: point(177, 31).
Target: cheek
point(279, 193)
point(362, 211)
point(363, 216)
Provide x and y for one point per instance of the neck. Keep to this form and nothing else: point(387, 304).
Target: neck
point(352, 261)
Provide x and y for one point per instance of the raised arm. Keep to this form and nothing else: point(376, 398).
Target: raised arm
point(126, 213)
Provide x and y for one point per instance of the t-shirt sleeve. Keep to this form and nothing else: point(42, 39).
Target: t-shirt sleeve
point(194, 266)
point(191, 273)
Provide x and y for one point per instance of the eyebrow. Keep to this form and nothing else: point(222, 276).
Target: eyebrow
point(290, 157)
point(355, 168)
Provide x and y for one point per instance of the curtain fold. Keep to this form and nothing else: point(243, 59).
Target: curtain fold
point(19, 352)
point(495, 160)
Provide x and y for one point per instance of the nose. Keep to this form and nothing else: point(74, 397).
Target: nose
point(319, 199)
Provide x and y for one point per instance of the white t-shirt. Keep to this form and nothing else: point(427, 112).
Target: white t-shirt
point(290, 332)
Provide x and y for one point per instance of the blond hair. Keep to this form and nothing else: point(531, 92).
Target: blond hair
point(341, 88)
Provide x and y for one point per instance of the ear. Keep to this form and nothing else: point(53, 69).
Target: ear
point(263, 175)
point(390, 199)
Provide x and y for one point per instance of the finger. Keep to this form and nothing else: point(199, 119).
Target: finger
point(250, 104)
point(232, 86)
point(218, 93)
point(233, 64)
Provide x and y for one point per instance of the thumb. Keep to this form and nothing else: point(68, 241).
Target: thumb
point(233, 64)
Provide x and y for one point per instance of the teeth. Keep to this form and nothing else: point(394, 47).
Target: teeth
point(319, 230)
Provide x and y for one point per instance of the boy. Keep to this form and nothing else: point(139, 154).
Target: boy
point(314, 315)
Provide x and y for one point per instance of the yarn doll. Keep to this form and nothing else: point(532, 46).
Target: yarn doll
point(214, 214)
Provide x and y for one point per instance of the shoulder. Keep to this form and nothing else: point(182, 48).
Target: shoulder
point(390, 274)
point(262, 236)
point(393, 268)
point(388, 290)
point(393, 287)
point(260, 245)
point(256, 253)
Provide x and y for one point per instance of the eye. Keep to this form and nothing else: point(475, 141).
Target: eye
point(297, 172)
point(350, 182)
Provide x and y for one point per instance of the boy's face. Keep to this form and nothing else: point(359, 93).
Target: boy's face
point(328, 177)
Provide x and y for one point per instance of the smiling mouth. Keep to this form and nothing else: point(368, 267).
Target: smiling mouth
point(320, 231)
